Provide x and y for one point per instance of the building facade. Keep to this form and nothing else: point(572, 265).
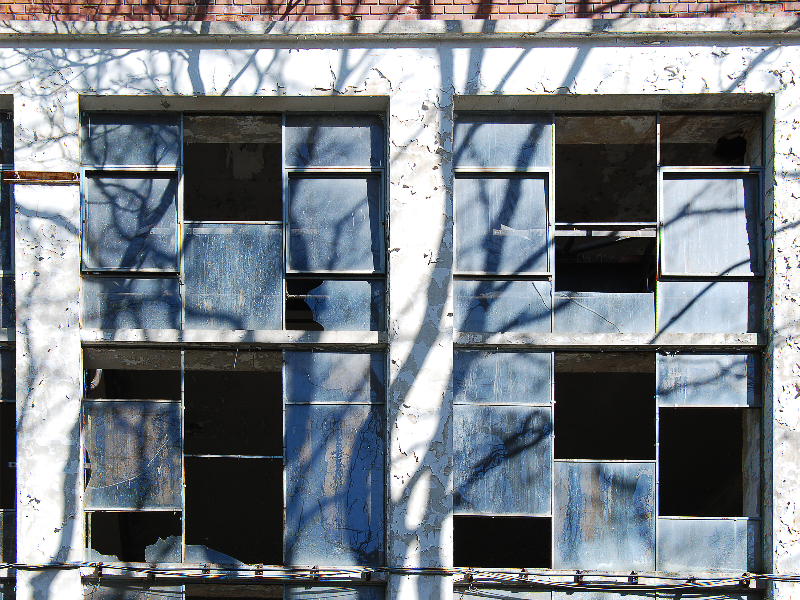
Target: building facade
point(400, 309)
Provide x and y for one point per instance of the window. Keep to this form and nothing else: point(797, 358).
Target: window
point(236, 454)
point(584, 244)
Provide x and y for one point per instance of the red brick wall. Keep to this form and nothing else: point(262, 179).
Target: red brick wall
point(303, 10)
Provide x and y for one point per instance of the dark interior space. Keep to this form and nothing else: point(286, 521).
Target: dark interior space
point(8, 456)
point(610, 264)
point(235, 507)
point(700, 462)
point(126, 535)
point(233, 412)
point(605, 406)
point(298, 313)
point(711, 140)
point(123, 384)
point(605, 169)
point(242, 591)
point(501, 542)
point(232, 168)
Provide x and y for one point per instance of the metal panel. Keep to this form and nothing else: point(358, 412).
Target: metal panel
point(516, 141)
point(501, 459)
point(335, 224)
point(233, 276)
point(117, 303)
point(710, 225)
point(8, 536)
point(501, 377)
point(590, 312)
point(131, 139)
point(604, 516)
point(131, 221)
point(131, 590)
point(334, 485)
point(502, 306)
point(709, 545)
point(334, 377)
point(708, 380)
point(133, 454)
point(334, 141)
point(347, 305)
point(709, 306)
point(361, 592)
point(501, 225)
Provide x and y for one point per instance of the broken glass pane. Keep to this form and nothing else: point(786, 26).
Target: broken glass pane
point(591, 312)
point(361, 592)
point(115, 536)
point(131, 139)
point(710, 225)
point(498, 140)
point(708, 379)
point(334, 485)
point(133, 455)
point(142, 303)
point(500, 306)
point(130, 590)
point(233, 276)
point(501, 377)
point(334, 377)
point(335, 224)
point(711, 139)
point(709, 306)
point(501, 225)
point(335, 304)
point(131, 221)
point(687, 544)
point(502, 459)
point(334, 141)
point(604, 516)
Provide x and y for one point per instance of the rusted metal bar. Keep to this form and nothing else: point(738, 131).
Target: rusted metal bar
point(42, 177)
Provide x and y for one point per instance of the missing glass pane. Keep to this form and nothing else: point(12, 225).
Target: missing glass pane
point(152, 536)
point(8, 456)
point(605, 406)
point(505, 542)
point(133, 384)
point(711, 140)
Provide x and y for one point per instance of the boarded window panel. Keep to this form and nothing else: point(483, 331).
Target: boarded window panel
point(131, 221)
point(234, 510)
point(589, 312)
point(335, 304)
point(710, 225)
point(361, 592)
point(131, 591)
point(501, 377)
point(499, 306)
point(131, 139)
point(118, 303)
point(502, 460)
point(334, 485)
point(233, 276)
point(604, 516)
point(334, 141)
point(517, 141)
point(709, 545)
point(709, 379)
point(133, 455)
point(334, 377)
point(709, 307)
point(501, 225)
point(335, 224)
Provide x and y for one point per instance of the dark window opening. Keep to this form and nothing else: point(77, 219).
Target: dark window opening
point(240, 591)
point(298, 311)
point(501, 542)
point(604, 406)
point(709, 462)
point(152, 536)
point(8, 456)
point(711, 140)
point(133, 384)
point(234, 510)
point(605, 262)
point(232, 168)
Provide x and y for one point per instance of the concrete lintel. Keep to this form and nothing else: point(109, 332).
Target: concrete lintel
point(613, 341)
point(434, 30)
point(174, 337)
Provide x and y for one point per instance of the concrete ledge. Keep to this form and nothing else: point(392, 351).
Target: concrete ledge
point(231, 338)
point(613, 341)
point(657, 30)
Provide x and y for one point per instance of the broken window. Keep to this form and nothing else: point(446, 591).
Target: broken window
point(234, 457)
point(211, 222)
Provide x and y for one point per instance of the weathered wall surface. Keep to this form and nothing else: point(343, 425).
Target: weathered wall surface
point(419, 78)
